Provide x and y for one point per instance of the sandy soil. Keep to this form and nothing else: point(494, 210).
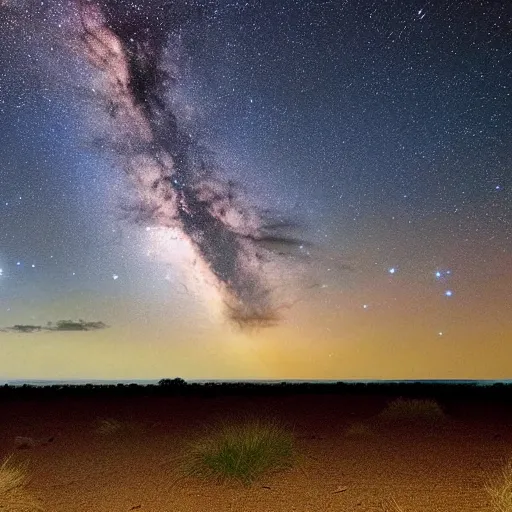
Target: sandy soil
point(441, 469)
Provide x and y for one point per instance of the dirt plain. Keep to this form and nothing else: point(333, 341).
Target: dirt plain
point(439, 468)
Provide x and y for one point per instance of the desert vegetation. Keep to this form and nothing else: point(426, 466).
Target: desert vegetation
point(108, 426)
point(500, 490)
point(13, 494)
point(412, 410)
point(241, 450)
point(308, 446)
point(359, 429)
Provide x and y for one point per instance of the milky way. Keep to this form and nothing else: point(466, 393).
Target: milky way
point(177, 184)
point(382, 126)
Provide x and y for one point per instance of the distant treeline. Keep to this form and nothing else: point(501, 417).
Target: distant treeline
point(61, 325)
point(179, 387)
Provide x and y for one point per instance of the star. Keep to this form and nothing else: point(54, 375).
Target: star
point(442, 273)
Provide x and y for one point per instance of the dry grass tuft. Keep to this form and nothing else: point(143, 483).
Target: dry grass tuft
point(415, 410)
point(391, 506)
point(241, 451)
point(500, 491)
point(111, 426)
point(13, 495)
point(359, 429)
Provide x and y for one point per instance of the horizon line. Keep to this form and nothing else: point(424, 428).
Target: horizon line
point(84, 381)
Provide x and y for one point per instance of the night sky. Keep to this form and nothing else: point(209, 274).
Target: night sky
point(376, 136)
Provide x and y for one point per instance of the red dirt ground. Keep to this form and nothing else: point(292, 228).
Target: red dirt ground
point(443, 469)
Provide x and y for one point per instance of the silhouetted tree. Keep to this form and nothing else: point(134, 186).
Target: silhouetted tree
point(177, 382)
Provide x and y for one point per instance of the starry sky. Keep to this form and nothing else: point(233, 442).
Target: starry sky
point(380, 130)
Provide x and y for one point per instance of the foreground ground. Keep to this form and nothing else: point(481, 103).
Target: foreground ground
point(439, 469)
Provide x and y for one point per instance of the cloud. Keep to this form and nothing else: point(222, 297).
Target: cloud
point(61, 325)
